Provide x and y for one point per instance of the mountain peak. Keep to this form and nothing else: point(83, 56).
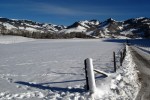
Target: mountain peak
point(140, 18)
point(111, 20)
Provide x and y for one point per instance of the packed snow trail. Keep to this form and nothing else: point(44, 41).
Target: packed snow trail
point(143, 65)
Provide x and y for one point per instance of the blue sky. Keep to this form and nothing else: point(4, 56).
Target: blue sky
point(65, 12)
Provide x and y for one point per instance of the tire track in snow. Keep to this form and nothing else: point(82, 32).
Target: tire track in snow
point(144, 77)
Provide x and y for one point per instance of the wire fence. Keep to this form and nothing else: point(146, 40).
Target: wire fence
point(110, 62)
point(104, 66)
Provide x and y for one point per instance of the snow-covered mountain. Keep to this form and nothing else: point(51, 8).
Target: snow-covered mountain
point(108, 28)
point(14, 25)
point(81, 26)
point(135, 27)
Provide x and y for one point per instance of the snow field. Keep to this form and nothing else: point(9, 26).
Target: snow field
point(54, 70)
point(13, 39)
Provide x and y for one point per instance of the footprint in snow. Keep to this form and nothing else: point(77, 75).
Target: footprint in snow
point(18, 86)
point(9, 80)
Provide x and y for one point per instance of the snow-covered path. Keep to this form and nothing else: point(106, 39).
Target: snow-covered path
point(142, 60)
point(50, 69)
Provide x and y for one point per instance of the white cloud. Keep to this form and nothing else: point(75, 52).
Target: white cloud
point(60, 10)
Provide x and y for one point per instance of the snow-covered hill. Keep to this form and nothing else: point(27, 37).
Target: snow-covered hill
point(9, 25)
point(82, 26)
point(133, 28)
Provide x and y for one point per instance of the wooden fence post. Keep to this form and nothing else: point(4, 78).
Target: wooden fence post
point(121, 58)
point(86, 77)
point(90, 75)
point(114, 61)
point(124, 53)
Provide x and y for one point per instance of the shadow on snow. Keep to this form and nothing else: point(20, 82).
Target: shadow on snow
point(39, 86)
point(116, 40)
point(148, 51)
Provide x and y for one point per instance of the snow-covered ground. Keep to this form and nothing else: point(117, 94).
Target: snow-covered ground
point(13, 39)
point(54, 70)
point(141, 58)
point(124, 83)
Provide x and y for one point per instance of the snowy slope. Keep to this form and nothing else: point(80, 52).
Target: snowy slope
point(9, 26)
point(76, 29)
